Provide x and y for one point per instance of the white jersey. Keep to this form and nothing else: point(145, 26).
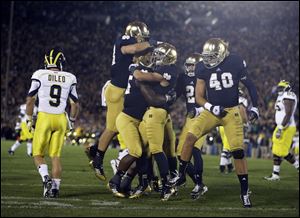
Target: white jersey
point(280, 108)
point(53, 88)
point(23, 112)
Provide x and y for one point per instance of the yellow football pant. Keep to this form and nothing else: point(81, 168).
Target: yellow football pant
point(115, 103)
point(128, 128)
point(199, 143)
point(232, 123)
point(49, 134)
point(281, 146)
point(25, 133)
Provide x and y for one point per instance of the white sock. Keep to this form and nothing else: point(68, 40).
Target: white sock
point(56, 183)
point(276, 169)
point(229, 161)
point(296, 164)
point(223, 161)
point(15, 146)
point(43, 170)
point(29, 148)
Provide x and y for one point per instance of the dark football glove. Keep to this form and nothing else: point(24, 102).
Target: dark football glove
point(253, 114)
point(171, 97)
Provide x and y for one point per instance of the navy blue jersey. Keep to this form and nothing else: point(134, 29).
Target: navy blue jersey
point(222, 81)
point(186, 86)
point(135, 104)
point(170, 73)
point(121, 62)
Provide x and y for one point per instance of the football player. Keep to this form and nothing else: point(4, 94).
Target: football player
point(126, 46)
point(127, 124)
point(225, 159)
point(23, 133)
point(155, 119)
point(285, 107)
point(218, 76)
point(53, 87)
point(186, 86)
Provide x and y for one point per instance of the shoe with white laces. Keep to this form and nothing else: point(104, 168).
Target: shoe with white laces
point(246, 200)
point(47, 185)
point(273, 177)
point(198, 191)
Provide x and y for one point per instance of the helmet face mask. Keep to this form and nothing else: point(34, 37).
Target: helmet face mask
point(215, 50)
point(145, 60)
point(164, 54)
point(190, 64)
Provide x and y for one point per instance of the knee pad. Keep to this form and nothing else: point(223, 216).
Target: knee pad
point(277, 160)
point(238, 154)
point(289, 157)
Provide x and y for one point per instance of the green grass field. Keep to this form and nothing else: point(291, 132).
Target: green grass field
point(81, 194)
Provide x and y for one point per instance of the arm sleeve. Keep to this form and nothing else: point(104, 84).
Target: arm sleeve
point(73, 92)
point(34, 88)
point(249, 85)
point(127, 40)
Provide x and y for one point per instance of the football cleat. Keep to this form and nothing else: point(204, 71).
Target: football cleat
point(10, 152)
point(166, 193)
point(54, 193)
point(198, 191)
point(178, 181)
point(246, 200)
point(156, 184)
point(140, 191)
point(91, 164)
point(99, 172)
point(114, 189)
point(47, 185)
point(273, 177)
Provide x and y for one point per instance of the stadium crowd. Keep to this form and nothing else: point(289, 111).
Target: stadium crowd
point(260, 32)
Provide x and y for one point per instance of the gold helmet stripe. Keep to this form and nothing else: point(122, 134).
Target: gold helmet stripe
point(56, 58)
point(51, 58)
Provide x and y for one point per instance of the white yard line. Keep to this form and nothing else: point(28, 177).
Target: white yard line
point(18, 202)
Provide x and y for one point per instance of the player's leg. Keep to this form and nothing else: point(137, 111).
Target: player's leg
point(56, 143)
point(201, 126)
point(128, 128)
point(14, 147)
point(115, 104)
point(155, 119)
point(280, 148)
point(199, 188)
point(233, 126)
point(169, 147)
point(41, 140)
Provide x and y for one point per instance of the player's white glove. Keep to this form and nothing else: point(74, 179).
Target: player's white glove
point(279, 131)
point(216, 110)
point(72, 123)
point(29, 122)
point(195, 112)
point(253, 114)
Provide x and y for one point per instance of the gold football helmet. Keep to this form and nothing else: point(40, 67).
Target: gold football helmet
point(215, 50)
point(164, 54)
point(137, 29)
point(55, 59)
point(190, 63)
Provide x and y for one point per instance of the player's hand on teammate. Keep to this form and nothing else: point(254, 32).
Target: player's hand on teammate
point(171, 97)
point(253, 114)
